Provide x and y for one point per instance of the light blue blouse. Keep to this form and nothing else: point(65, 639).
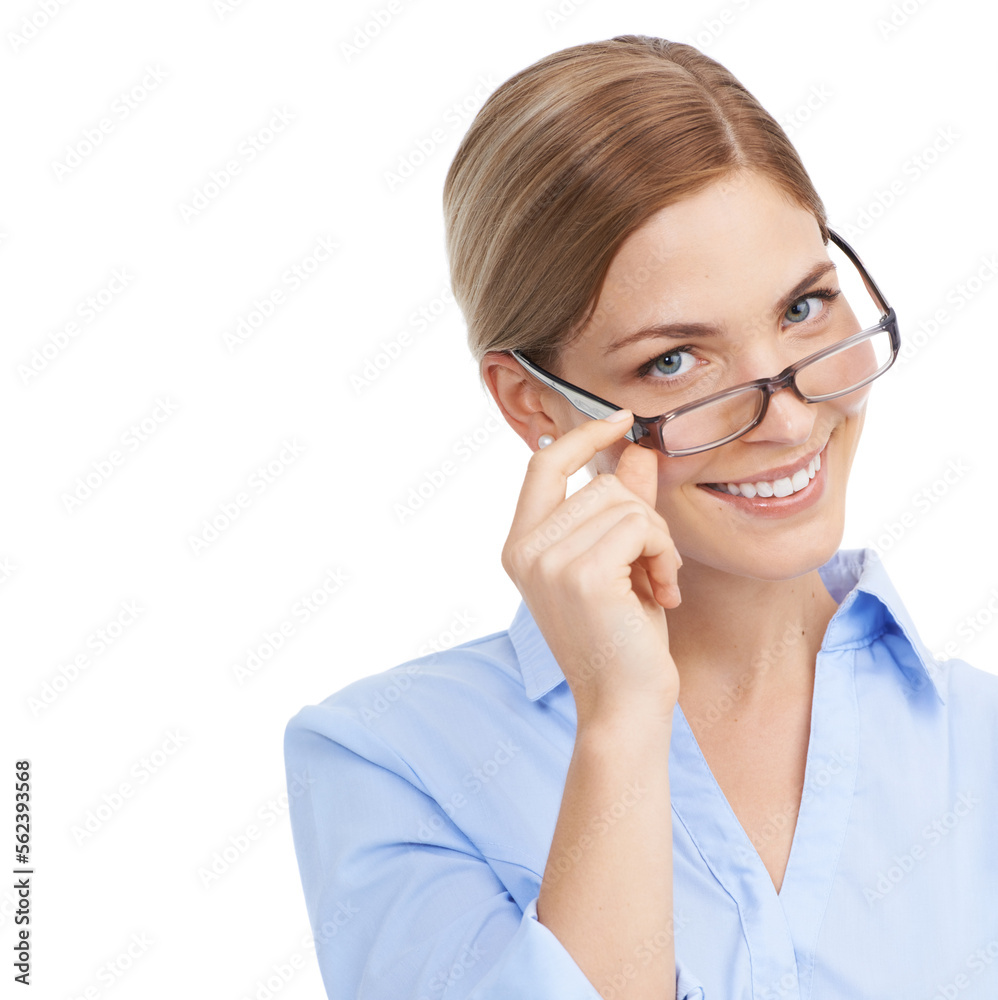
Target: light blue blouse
point(424, 799)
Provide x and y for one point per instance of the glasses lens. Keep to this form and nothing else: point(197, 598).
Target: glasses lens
point(713, 422)
point(848, 368)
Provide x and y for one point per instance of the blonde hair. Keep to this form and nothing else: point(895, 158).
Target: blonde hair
point(570, 156)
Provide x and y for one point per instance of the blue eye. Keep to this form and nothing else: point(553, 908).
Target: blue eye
point(677, 362)
point(802, 309)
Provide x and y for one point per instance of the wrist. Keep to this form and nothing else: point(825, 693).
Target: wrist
point(622, 716)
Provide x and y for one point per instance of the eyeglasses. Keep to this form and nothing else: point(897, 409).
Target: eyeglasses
point(836, 370)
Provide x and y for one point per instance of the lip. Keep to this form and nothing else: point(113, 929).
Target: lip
point(778, 506)
point(780, 472)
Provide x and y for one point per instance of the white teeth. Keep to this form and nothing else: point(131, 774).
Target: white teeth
point(776, 488)
point(783, 487)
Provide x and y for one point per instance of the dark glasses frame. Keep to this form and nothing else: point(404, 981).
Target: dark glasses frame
point(648, 431)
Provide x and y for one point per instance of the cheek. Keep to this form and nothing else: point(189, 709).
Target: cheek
point(845, 418)
point(853, 420)
point(679, 476)
point(853, 405)
point(679, 493)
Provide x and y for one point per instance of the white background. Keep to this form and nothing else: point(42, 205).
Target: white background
point(162, 709)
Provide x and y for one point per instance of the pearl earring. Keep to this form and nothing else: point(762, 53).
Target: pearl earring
point(544, 440)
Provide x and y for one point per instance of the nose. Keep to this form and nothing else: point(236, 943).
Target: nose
point(788, 420)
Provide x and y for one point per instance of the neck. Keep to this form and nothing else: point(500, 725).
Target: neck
point(744, 643)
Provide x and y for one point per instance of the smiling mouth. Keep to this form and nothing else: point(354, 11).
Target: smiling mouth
point(782, 487)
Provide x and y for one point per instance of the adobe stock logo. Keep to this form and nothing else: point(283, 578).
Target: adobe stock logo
point(97, 642)
point(45, 11)
point(263, 308)
point(921, 504)
point(365, 33)
point(932, 835)
point(219, 179)
point(121, 108)
point(265, 817)
point(129, 442)
point(89, 310)
point(142, 771)
point(257, 483)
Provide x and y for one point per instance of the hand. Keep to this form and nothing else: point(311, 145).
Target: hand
point(597, 571)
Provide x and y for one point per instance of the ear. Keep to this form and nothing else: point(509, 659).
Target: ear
point(530, 408)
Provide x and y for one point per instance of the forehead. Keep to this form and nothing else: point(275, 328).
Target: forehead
point(741, 235)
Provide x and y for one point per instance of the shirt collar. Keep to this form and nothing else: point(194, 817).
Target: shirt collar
point(868, 606)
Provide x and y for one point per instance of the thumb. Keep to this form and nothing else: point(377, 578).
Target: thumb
point(637, 469)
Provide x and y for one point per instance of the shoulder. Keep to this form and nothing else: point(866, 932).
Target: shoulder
point(970, 691)
point(478, 669)
point(971, 716)
point(445, 697)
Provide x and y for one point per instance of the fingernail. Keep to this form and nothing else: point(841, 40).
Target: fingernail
point(617, 415)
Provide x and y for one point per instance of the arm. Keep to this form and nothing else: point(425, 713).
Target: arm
point(607, 889)
point(396, 916)
point(597, 571)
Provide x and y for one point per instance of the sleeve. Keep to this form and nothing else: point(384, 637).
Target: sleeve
point(402, 905)
point(687, 987)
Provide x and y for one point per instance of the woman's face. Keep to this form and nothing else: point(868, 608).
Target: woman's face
point(728, 260)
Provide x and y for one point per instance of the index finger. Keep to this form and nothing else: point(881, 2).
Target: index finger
point(546, 480)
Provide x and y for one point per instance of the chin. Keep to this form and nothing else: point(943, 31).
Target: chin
point(770, 548)
point(765, 562)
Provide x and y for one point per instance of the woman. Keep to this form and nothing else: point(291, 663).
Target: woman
point(710, 755)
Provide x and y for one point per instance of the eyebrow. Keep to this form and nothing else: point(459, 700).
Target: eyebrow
point(682, 331)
